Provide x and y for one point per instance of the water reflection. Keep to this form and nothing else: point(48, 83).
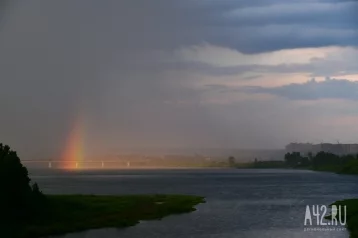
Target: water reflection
point(240, 203)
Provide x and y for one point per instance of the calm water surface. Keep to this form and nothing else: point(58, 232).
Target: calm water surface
point(240, 203)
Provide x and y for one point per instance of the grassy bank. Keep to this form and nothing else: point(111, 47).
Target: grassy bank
point(271, 164)
point(352, 215)
point(322, 161)
point(72, 213)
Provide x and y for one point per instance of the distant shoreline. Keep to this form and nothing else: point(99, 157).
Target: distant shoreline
point(131, 168)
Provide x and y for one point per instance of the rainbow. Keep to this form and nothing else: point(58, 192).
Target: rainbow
point(72, 156)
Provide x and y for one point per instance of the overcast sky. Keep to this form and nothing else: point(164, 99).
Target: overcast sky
point(169, 73)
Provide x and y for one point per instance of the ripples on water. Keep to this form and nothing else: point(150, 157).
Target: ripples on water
point(240, 203)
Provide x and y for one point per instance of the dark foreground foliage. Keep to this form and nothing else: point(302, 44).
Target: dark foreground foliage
point(18, 199)
point(268, 164)
point(72, 213)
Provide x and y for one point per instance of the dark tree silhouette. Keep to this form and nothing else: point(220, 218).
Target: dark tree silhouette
point(17, 198)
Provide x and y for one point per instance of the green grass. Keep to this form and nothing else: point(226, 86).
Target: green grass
point(73, 213)
point(270, 164)
point(352, 215)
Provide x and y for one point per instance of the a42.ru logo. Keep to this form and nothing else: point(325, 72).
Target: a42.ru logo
point(317, 215)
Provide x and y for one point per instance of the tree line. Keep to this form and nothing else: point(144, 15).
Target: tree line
point(323, 161)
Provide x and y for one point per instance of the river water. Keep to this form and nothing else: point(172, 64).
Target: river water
point(239, 203)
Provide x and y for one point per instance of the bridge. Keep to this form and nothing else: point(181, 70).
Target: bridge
point(83, 164)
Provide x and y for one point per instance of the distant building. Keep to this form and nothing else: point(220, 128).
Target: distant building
point(338, 149)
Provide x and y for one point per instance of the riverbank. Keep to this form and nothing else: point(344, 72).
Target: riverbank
point(74, 213)
point(351, 215)
point(322, 162)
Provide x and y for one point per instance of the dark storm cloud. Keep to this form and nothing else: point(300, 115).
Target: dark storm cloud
point(312, 90)
point(57, 57)
point(288, 24)
point(257, 26)
point(246, 26)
